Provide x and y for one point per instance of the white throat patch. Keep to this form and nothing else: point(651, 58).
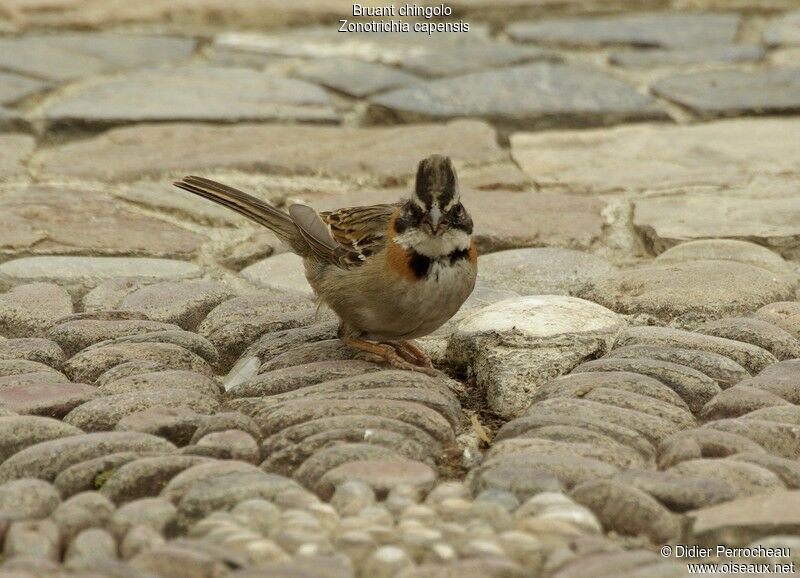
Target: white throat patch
point(433, 247)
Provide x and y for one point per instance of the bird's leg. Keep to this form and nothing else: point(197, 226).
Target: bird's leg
point(413, 350)
point(387, 353)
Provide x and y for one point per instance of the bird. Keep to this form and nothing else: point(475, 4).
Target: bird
point(390, 272)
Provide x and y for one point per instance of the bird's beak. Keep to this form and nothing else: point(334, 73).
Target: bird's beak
point(435, 219)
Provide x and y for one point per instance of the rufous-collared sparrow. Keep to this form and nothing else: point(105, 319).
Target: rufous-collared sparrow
point(391, 272)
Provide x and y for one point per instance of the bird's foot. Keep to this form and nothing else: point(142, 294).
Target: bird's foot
point(390, 354)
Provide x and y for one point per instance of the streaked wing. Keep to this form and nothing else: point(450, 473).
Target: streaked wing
point(360, 229)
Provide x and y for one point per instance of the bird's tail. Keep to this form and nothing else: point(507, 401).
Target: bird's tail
point(247, 205)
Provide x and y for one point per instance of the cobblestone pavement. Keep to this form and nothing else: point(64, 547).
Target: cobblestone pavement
point(625, 376)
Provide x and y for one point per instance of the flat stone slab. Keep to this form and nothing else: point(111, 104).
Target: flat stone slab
point(192, 93)
point(48, 400)
point(783, 31)
point(52, 220)
point(534, 95)
point(726, 250)
point(701, 55)
point(90, 271)
point(353, 77)
point(282, 272)
point(668, 221)
point(517, 344)
point(722, 154)
point(14, 87)
point(741, 521)
point(733, 92)
point(386, 154)
point(690, 292)
point(541, 271)
point(454, 60)
point(83, 14)
point(11, 120)
point(653, 29)
point(62, 57)
point(15, 149)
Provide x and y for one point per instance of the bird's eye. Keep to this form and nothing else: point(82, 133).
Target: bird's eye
point(457, 210)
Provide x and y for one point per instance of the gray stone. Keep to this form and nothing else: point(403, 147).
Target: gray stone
point(232, 444)
point(47, 399)
point(27, 498)
point(680, 493)
point(293, 441)
point(784, 314)
point(229, 94)
point(703, 443)
point(627, 510)
point(226, 491)
point(80, 512)
point(102, 414)
point(19, 432)
point(14, 151)
point(725, 371)
point(108, 294)
point(83, 273)
point(91, 475)
point(541, 271)
point(751, 357)
point(353, 77)
point(295, 377)
point(71, 56)
point(666, 221)
point(168, 379)
point(690, 292)
point(273, 419)
point(783, 30)
point(517, 344)
point(176, 425)
point(780, 343)
point(145, 477)
point(46, 459)
point(184, 304)
point(521, 449)
point(51, 220)
point(89, 547)
point(197, 475)
point(88, 365)
point(695, 388)
point(782, 379)
point(155, 513)
point(76, 335)
point(282, 272)
point(32, 349)
point(787, 470)
point(35, 378)
point(741, 156)
point(451, 61)
point(385, 155)
point(32, 538)
point(224, 421)
point(578, 385)
point(239, 322)
point(739, 400)
point(14, 87)
point(726, 250)
point(653, 429)
point(381, 475)
point(778, 438)
point(741, 521)
point(645, 59)
point(733, 92)
point(535, 95)
point(650, 29)
point(30, 310)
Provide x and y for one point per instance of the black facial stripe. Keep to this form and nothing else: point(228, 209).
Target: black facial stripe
point(422, 190)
